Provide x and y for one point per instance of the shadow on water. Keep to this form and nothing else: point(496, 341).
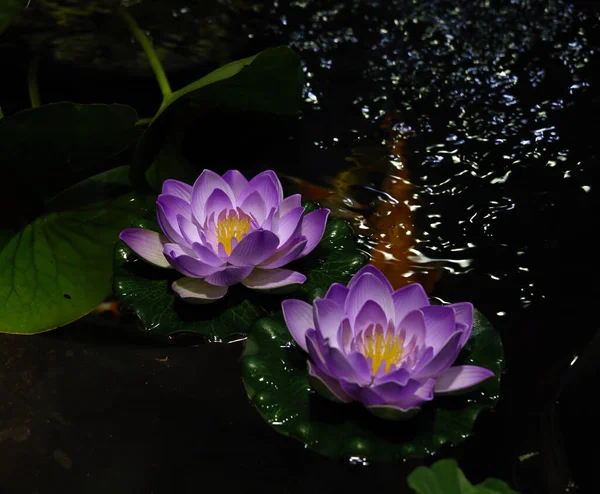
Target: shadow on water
point(496, 104)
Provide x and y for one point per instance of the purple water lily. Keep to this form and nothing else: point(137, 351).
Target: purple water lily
point(226, 230)
point(390, 350)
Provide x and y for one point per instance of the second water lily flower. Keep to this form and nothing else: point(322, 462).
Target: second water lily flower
point(225, 230)
point(390, 350)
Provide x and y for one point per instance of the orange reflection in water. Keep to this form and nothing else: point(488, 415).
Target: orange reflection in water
point(387, 220)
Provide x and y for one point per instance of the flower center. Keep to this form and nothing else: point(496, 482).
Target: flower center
point(382, 347)
point(231, 227)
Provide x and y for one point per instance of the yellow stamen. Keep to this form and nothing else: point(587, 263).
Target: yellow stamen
point(230, 228)
point(382, 348)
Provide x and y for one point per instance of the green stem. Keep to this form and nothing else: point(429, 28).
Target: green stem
point(32, 83)
point(146, 45)
point(1, 114)
point(143, 121)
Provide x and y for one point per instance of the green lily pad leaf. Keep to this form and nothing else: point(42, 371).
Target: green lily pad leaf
point(58, 267)
point(146, 291)
point(269, 82)
point(276, 379)
point(57, 145)
point(444, 477)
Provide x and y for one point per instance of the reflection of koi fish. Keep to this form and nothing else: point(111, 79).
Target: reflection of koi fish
point(108, 306)
point(389, 222)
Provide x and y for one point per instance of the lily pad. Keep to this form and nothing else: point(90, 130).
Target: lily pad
point(269, 82)
point(145, 290)
point(444, 477)
point(58, 267)
point(275, 375)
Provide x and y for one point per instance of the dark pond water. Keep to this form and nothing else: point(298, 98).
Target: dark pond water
point(494, 110)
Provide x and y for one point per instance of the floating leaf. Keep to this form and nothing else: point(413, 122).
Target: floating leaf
point(444, 477)
point(276, 379)
point(146, 290)
point(57, 268)
point(270, 82)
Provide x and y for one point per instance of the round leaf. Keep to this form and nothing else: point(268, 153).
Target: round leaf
point(444, 477)
point(146, 290)
point(276, 379)
point(59, 267)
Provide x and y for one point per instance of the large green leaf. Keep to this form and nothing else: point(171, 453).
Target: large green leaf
point(55, 146)
point(276, 379)
point(59, 267)
point(270, 82)
point(146, 290)
point(444, 477)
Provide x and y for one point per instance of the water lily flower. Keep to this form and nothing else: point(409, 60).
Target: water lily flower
point(226, 230)
point(390, 350)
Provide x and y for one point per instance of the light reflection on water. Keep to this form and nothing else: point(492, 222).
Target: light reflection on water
point(480, 96)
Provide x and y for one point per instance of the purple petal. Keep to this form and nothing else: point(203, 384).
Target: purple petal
point(415, 327)
point(197, 290)
point(369, 268)
point(276, 183)
point(206, 255)
point(463, 313)
point(289, 203)
point(317, 349)
point(338, 293)
point(407, 299)
point(254, 206)
point(312, 227)
point(265, 187)
point(284, 256)
point(392, 392)
point(178, 189)
point(169, 207)
point(440, 324)
point(146, 244)
point(229, 276)
point(330, 383)
point(298, 317)
point(289, 226)
point(204, 186)
point(371, 313)
point(268, 279)
point(368, 287)
point(328, 317)
point(217, 201)
point(442, 360)
point(254, 248)
point(268, 222)
point(353, 367)
point(461, 377)
point(352, 390)
point(188, 230)
point(186, 264)
point(421, 395)
point(236, 181)
point(398, 376)
point(345, 335)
